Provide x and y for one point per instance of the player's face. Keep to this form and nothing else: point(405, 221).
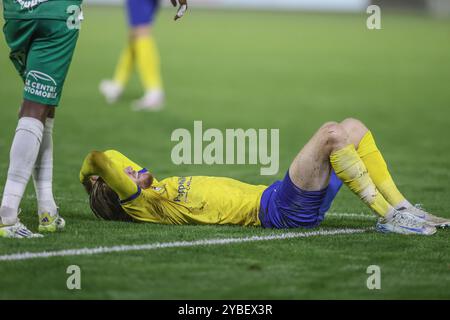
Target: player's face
point(143, 180)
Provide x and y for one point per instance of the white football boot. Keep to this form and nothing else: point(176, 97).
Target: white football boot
point(403, 222)
point(418, 211)
point(17, 231)
point(151, 101)
point(111, 90)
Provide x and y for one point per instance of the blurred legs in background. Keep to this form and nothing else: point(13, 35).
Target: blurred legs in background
point(142, 53)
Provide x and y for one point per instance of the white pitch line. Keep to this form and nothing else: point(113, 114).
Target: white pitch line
point(361, 216)
point(176, 244)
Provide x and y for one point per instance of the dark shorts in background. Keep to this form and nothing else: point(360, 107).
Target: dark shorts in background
point(141, 12)
point(284, 205)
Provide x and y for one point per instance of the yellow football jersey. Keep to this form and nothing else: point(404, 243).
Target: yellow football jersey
point(198, 200)
point(178, 200)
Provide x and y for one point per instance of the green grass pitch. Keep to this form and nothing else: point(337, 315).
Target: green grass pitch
point(235, 69)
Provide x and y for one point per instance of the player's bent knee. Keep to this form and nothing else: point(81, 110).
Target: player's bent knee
point(328, 124)
point(355, 128)
point(334, 136)
point(352, 123)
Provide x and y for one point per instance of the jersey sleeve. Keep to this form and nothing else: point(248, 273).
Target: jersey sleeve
point(123, 162)
point(99, 164)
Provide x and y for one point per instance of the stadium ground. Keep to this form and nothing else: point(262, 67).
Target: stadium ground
point(252, 70)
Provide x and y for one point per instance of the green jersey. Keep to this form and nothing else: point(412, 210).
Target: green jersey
point(38, 9)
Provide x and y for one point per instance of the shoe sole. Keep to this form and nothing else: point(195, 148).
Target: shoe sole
point(383, 229)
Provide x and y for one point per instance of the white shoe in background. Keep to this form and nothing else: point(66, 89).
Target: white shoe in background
point(152, 101)
point(110, 90)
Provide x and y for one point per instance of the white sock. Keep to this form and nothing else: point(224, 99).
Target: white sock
point(390, 214)
point(22, 156)
point(404, 204)
point(43, 172)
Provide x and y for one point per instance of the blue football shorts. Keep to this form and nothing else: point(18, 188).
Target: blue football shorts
point(284, 205)
point(141, 12)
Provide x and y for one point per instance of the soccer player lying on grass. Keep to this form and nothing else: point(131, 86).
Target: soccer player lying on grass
point(337, 153)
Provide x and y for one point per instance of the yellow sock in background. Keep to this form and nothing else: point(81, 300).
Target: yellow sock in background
point(148, 63)
point(351, 170)
point(124, 66)
point(378, 171)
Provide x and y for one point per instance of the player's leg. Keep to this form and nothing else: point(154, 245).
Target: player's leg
point(301, 194)
point(141, 17)
point(50, 57)
point(311, 168)
point(368, 151)
point(44, 62)
point(113, 89)
point(28, 134)
point(365, 145)
point(43, 169)
point(49, 218)
point(307, 191)
point(141, 52)
point(351, 169)
point(23, 155)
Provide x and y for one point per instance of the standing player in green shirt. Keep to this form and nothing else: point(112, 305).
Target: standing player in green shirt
point(41, 35)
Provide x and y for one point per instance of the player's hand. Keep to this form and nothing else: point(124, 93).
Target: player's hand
point(181, 9)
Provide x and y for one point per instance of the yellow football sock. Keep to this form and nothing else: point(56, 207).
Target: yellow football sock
point(124, 66)
point(378, 170)
point(148, 63)
point(351, 170)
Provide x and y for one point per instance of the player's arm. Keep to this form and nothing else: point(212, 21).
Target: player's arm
point(125, 163)
point(122, 160)
point(181, 9)
point(98, 164)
